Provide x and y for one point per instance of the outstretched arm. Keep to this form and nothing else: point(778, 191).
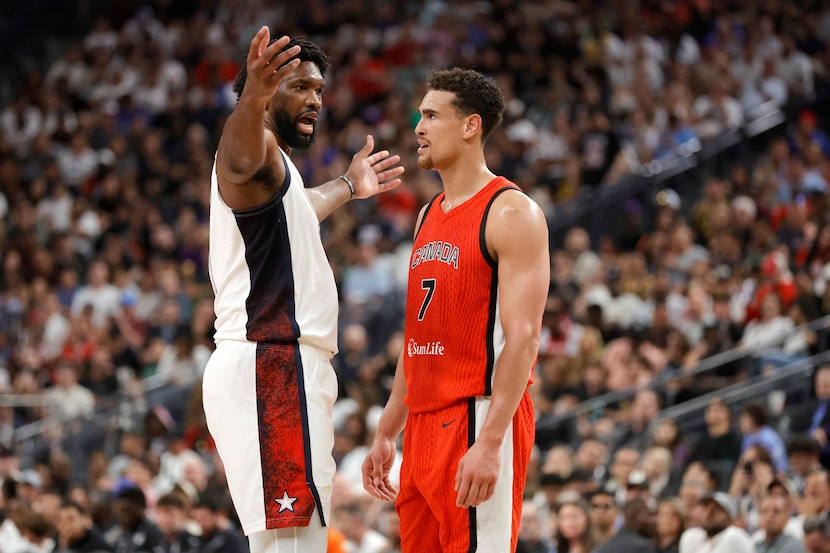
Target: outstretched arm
point(245, 146)
point(517, 236)
point(369, 173)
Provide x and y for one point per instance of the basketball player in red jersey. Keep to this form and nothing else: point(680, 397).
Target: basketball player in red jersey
point(478, 279)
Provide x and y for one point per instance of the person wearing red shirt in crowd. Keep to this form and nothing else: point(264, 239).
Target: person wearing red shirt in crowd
point(776, 279)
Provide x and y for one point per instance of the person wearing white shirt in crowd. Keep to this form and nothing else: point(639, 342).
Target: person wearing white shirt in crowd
point(717, 533)
point(351, 517)
point(68, 400)
point(796, 70)
point(716, 112)
point(770, 330)
point(104, 297)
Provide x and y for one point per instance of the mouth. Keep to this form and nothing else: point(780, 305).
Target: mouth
point(422, 147)
point(306, 122)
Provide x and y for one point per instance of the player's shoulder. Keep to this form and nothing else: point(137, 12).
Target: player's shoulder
point(510, 200)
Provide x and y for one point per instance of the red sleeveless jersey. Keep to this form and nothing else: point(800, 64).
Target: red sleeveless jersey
point(453, 335)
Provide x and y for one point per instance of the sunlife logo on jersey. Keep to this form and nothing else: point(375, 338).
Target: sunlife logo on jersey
point(413, 348)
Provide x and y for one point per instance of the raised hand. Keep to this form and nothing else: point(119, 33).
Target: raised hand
point(267, 66)
point(373, 173)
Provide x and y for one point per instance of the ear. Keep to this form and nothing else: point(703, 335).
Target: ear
point(472, 126)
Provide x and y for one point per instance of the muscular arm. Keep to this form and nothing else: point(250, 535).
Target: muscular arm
point(517, 237)
point(245, 145)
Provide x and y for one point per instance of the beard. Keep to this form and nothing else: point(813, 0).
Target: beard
point(286, 129)
point(425, 162)
point(715, 528)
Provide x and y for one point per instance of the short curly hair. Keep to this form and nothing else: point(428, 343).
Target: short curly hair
point(474, 93)
point(308, 52)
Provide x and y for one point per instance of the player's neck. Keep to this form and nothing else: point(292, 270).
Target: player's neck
point(462, 181)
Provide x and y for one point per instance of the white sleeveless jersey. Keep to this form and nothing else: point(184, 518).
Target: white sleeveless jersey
point(271, 279)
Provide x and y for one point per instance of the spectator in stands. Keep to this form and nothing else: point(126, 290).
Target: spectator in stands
point(814, 420)
point(750, 482)
point(669, 525)
point(604, 515)
point(99, 293)
point(796, 70)
point(717, 111)
point(721, 444)
point(171, 517)
point(775, 280)
point(794, 526)
point(697, 481)
point(718, 533)
point(76, 532)
point(36, 529)
point(656, 463)
point(573, 526)
point(351, 518)
point(806, 132)
point(756, 430)
point(624, 461)
point(769, 330)
point(218, 535)
point(532, 538)
point(816, 498)
point(592, 456)
point(637, 532)
point(367, 282)
point(67, 400)
point(817, 534)
point(638, 488)
point(667, 434)
point(135, 533)
point(183, 361)
point(774, 515)
point(645, 409)
point(803, 457)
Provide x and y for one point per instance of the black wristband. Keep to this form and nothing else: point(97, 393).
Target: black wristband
point(348, 182)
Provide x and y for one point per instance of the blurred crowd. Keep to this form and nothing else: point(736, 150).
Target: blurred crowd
point(105, 158)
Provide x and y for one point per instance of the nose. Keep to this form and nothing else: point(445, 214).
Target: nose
point(419, 128)
point(315, 100)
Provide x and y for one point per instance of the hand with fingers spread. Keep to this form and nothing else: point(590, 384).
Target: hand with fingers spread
point(267, 66)
point(476, 476)
point(373, 173)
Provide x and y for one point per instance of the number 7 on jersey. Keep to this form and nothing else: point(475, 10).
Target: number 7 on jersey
point(427, 284)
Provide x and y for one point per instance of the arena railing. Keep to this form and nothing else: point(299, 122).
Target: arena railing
point(552, 429)
point(597, 208)
point(79, 438)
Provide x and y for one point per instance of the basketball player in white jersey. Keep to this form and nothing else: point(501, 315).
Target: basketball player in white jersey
point(269, 387)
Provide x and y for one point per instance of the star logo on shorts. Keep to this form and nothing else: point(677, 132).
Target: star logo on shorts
point(286, 502)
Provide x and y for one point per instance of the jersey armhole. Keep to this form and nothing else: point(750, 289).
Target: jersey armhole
point(424, 218)
point(482, 241)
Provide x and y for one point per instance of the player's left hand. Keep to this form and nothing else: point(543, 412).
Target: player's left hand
point(475, 479)
point(373, 173)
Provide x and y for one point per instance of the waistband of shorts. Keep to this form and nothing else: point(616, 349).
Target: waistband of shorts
point(305, 348)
